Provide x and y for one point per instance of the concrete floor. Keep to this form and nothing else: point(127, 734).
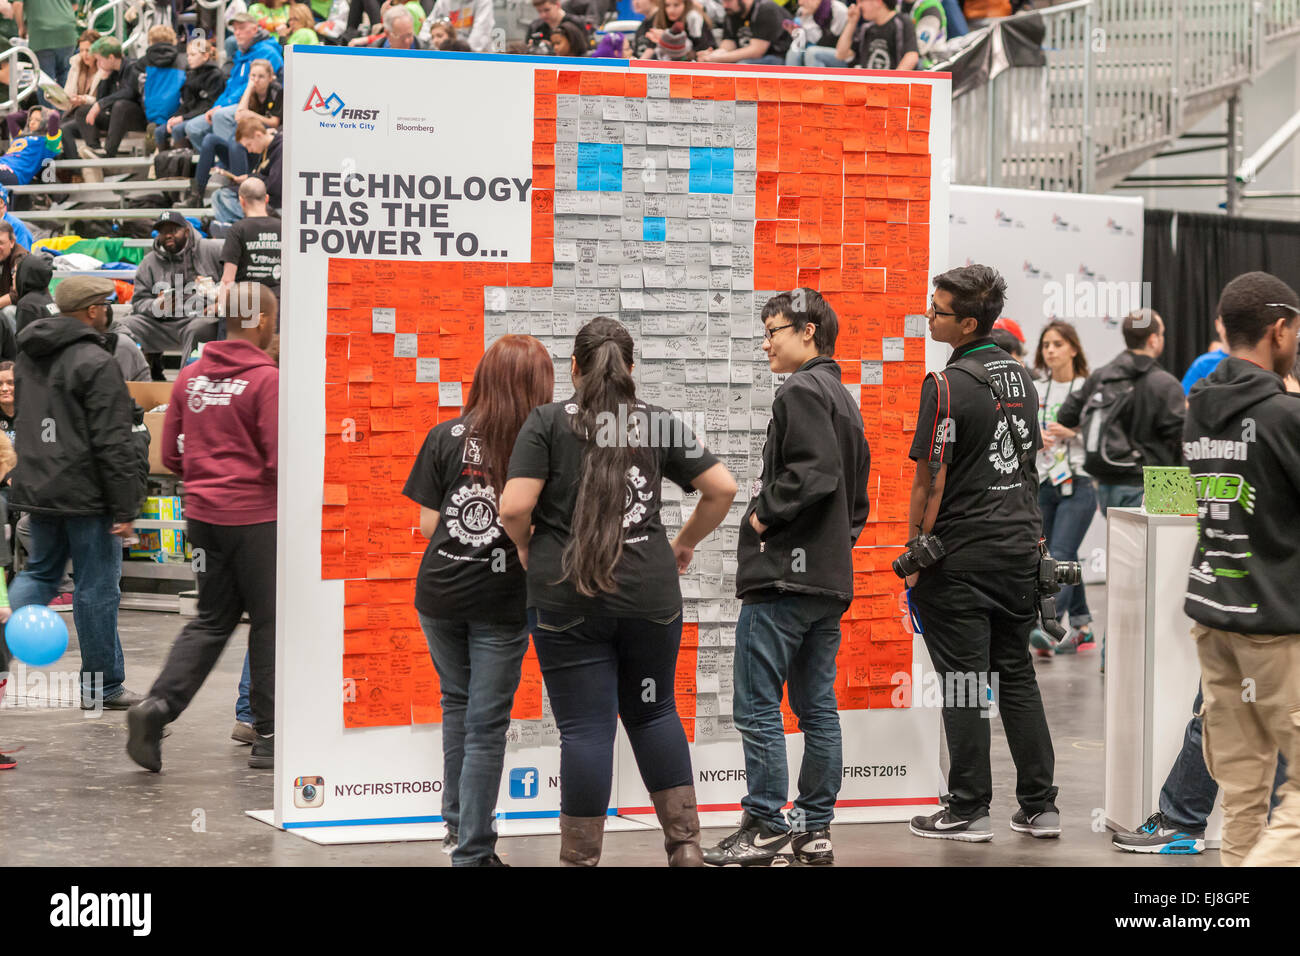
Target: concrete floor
point(76, 798)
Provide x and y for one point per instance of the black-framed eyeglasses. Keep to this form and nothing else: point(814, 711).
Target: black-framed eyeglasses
point(938, 311)
point(768, 333)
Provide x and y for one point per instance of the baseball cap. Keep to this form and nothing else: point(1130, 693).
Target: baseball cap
point(242, 18)
point(170, 216)
point(81, 292)
point(1012, 326)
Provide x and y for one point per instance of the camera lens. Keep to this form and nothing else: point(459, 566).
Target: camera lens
point(309, 792)
point(1069, 572)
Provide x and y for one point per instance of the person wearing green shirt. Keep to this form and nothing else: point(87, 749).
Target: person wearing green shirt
point(50, 27)
point(301, 28)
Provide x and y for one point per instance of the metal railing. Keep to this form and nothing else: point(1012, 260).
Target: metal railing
point(1122, 79)
point(23, 78)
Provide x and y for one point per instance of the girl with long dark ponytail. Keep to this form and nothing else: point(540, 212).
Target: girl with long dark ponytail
point(581, 503)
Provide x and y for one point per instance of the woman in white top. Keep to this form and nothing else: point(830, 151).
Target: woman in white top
point(1066, 494)
point(821, 23)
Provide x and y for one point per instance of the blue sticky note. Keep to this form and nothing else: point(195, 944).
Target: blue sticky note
point(589, 177)
point(611, 179)
point(723, 181)
point(611, 154)
point(701, 180)
point(654, 229)
point(589, 154)
point(723, 158)
point(701, 158)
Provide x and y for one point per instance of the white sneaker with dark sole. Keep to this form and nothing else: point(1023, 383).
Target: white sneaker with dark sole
point(944, 826)
point(1045, 825)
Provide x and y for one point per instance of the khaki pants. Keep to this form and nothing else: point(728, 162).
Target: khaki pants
point(1243, 738)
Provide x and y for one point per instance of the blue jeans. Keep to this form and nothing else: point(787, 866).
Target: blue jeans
point(478, 671)
point(243, 709)
point(97, 562)
point(197, 130)
point(56, 62)
point(765, 58)
point(1065, 521)
point(599, 670)
point(1187, 798)
point(815, 56)
point(225, 205)
point(792, 639)
point(1118, 496)
point(230, 154)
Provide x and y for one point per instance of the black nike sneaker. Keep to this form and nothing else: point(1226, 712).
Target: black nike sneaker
point(813, 848)
point(944, 826)
point(754, 844)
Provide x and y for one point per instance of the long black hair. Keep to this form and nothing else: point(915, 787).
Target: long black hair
point(603, 351)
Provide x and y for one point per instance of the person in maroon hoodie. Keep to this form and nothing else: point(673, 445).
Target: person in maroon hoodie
point(220, 435)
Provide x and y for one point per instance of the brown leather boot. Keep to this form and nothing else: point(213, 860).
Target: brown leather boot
point(677, 815)
point(580, 840)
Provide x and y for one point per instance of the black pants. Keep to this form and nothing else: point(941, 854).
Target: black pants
point(122, 117)
point(598, 670)
point(237, 574)
point(976, 627)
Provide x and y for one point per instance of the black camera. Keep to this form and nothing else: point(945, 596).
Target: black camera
point(922, 551)
point(1052, 574)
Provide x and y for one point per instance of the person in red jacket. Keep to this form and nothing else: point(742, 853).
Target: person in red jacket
point(221, 435)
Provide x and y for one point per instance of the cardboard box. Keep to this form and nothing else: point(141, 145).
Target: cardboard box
point(149, 395)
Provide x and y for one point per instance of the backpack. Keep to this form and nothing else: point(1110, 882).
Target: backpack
point(1104, 425)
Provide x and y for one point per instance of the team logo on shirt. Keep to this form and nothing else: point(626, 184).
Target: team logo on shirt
point(473, 451)
point(472, 515)
point(636, 498)
point(457, 431)
point(203, 391)
point(1002, 450)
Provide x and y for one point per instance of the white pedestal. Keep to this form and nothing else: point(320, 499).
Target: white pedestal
point(1152, 671)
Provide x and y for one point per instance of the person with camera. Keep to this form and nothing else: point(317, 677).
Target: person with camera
point(795, 579)
point(976, 559)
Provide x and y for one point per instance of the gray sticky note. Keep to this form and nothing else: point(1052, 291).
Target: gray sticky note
point(426, 369)
point(873, 373)
point(449, 395)
point(914, 326)
point(891, 349)
point(383, 321)
point(406, 345)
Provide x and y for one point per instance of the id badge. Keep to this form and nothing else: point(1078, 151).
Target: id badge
point(1060, 472)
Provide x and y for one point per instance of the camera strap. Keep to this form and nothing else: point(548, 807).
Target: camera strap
point(976, 370)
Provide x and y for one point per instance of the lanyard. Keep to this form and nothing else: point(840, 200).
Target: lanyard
point(1047, 401)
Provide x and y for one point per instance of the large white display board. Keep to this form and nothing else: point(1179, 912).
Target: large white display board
point(361, 127)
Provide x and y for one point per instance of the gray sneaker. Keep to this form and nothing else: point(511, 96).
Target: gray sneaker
point(243, 733)
point(1045, 825)
point(944, 826)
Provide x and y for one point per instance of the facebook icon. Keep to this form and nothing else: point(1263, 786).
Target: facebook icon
point(523, 783)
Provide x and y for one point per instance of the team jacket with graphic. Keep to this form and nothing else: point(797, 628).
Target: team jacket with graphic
point(472, 19)
point(470, 570)
point(1242, 444)
point(222, 434)
point(812, 494)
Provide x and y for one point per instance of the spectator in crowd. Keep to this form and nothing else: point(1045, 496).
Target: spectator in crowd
point(11, 254)
point(271, 14)
point(116, 109)
point(27, 154)
point(1008, 343)
point(568, 39)
point(51, 30)
point(32, 285)
point(679, 30)
point(549, 16)
point(251, 249)
point(203, 84)
point(1142, 408)
point(82, 75)
point(930, 19)
point(252, 43)
point(264, 144)
point(639, 45)
point(752, 32)
point(225, 443)
point(173, 288)
point(301, 28)
point(7, 410)
point(1066, 495)
point(470, 20)
point(22, 234)
point(84, 490)
point(456, 46)
point(164, 76)
point(440, 32)
point(877, 38)
point(472, 606)
point(399, 29)
point(1206, 363)
point(370, 9)
point(604, 603)
point(264, 97)
point(8, 459)
point(822, 22)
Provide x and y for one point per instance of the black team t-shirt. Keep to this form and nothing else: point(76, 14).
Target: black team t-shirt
point(881, 46)
point(253, 245)
point(764, 21)
point(470, 570)
point(989, 517)
point(646, 576)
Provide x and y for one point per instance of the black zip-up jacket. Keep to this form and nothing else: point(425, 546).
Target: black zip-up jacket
point(1242, 444)
point(1158, 411)
point(32, 285)
point(75, 432)
point(813, 496)
point(200, 90)
point(122, 85)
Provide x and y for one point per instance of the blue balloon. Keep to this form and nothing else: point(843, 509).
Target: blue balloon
point(36, 635)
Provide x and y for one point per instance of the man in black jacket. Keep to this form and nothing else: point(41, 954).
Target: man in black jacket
point(1146, 425)
point(116, 110)
point(795, 577)
point(32, 288)
point(976, 490)
point(80, 475)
